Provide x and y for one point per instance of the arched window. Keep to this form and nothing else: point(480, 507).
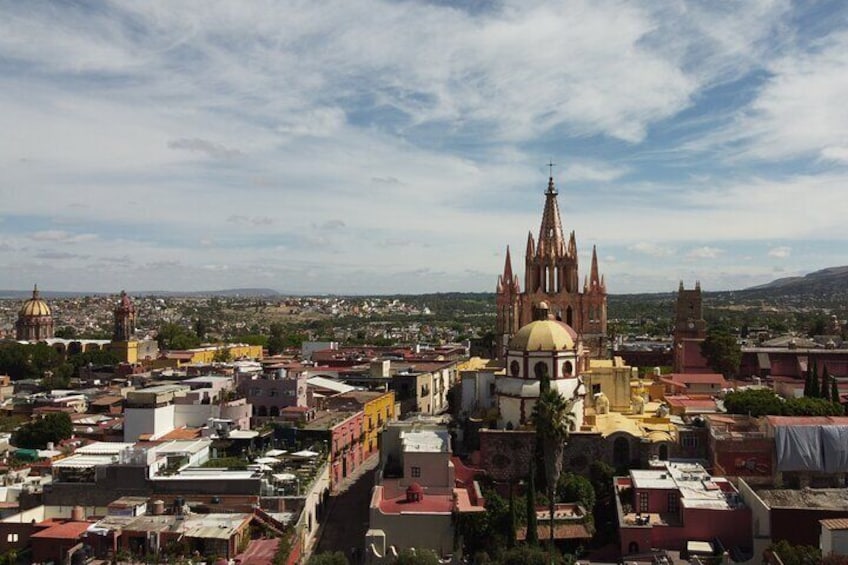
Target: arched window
point(633, 547)
point(274, 412)
point(568, 368)
point(540, 369)
point(514, 368)
point(569, 316)
point(263, 411)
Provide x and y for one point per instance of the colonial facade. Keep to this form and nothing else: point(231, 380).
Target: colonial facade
point(551, 275)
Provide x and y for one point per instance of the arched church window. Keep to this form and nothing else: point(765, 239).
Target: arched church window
point(568, 368)
point(540, 369)
point(569, 316)
point(514, 368)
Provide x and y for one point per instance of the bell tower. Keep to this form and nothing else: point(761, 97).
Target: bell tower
point(551, 275)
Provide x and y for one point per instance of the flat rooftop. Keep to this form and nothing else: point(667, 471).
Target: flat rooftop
point(826, 498)
point(426, 441)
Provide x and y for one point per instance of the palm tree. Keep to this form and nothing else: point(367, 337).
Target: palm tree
point(553, 419)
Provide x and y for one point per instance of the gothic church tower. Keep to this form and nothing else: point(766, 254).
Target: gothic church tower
point(551, 275)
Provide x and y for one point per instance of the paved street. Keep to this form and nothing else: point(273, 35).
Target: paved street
point(345, 527)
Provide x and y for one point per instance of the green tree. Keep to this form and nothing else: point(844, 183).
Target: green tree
point(419, 557)
point(808, 384)
point(553, 419)
point(66, 332)
point(532, 536)
point(174, 336)
point(811, 407)
point(722, 352)
point(277, 339)
point(576, 488)
point(528, 555)
point(755, 402)
point(834, 393)
point(814, 382)
point(28, 361)
point(97, 358)
point(223, 355)
point(37, 433)
point(329, 558)
point(796, 554)
point(601, 476)
point(200, 328)
point(824, 388)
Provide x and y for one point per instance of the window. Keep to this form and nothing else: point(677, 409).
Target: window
point(12, 538)
point(514, 368)
point(415, 472)
point(643, 502)
point(673, 503)
point(596, 389)
point(689, 441)
point(540, 369)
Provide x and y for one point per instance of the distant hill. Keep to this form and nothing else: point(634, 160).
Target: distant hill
point(229, 292)
point(829, 282)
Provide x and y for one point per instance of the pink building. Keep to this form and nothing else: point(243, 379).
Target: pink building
point(345, 434)
point(270, 393)
point(667, 508)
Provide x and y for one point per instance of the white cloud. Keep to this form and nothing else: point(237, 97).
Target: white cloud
point(60, 236)
point(212, 137)
point(799, 110)
point(649, 248)
point(704, 252)
point(214, 150)
point(780, 252)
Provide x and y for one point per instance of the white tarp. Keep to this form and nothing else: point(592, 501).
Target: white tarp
point(835, 446)
point(798, 448)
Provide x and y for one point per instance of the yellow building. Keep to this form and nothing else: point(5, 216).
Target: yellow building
point(614, 379)
point(378, 409)
point(207, 354)
point(378, 412)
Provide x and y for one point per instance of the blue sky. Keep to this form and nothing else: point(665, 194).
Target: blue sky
point(399, 146)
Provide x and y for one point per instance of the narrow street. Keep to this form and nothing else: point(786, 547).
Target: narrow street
point(347, 521)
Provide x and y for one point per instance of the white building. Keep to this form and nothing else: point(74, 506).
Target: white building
point(543, 350)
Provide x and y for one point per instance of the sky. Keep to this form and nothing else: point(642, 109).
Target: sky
point(364, 147)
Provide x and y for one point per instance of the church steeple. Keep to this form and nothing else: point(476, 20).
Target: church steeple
point(507, 282)
point(594, 279)
point(551, 240)
point(507, 274)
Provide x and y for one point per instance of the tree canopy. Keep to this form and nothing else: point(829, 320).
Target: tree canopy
point(762, 402)
point(38, 433)
point(174, 336)
point(722, 352)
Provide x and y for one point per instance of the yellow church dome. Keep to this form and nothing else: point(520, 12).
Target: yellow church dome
point(544, 335)
point(35, 306)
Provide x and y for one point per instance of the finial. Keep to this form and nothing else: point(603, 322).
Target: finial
point(35, 290)
point(551, 166)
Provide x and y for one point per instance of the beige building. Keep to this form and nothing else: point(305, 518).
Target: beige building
point(422, 486)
